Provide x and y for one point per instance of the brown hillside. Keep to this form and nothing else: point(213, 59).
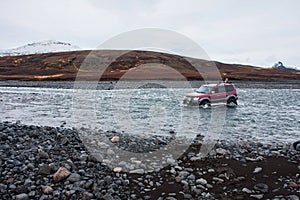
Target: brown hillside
point(140, 64)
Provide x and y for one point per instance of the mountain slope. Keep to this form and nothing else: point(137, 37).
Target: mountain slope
point(140, 64)
point(40, 47)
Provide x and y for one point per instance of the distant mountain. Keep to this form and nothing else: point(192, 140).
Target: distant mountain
point(47, 46)
point(279, 65)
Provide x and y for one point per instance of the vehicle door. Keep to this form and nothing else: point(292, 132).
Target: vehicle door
point(218, 94)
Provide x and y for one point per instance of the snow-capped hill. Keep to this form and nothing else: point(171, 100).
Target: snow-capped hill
point(279, 65)
point(40, 47)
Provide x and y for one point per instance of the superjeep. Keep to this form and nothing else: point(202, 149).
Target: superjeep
point(209, 94)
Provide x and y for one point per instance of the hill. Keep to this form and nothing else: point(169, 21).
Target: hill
point(46, 46)
point(145, 64)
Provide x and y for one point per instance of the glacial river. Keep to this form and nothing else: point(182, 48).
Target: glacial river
point(264, 115)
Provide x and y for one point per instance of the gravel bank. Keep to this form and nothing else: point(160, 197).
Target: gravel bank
point(52, 163)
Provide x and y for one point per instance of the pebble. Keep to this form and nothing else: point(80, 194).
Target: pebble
point(218, 179)
point(171, 161)
point(43, 154)
point(108, 197)
point(246, 190)
point(137, 171)
point(87, 196)
point(293, 184)
point(117, 169)
point(115, 139)
point(22, 196)
point(257, 196)
point(261, 187)
point(292, 197)
point(74, 177)
point(221, 151)
point(201, 181)
point(296, 145)
point(183, 173)
point(47, 189)
point(257, 170)
point(61, 174)
point(44, 169)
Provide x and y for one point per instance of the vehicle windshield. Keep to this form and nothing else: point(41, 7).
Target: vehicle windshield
point(203, 89)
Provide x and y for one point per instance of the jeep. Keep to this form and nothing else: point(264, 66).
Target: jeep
point(206, 95)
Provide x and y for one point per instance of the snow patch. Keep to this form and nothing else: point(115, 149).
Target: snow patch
point(47, 46)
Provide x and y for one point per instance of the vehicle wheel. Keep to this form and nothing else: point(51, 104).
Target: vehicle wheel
point(205, 104)
point(231, 102)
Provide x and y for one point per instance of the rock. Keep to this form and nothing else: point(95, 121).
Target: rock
point(45, 169)
point(210, 170)
point(87, 196)
point(201, 181)
point(183, 173)
point(115, 139)
point(218, 179)
point(47, 189)
point(261, 187)
point(184, 183)
point(61, 174)
point(171, 198)
point(21, 189)
point(110, 152)
point(257, 196)
point(31, 194)
point(74, 177)
point(257, 170)
point(43, 154)
point(241, 178)
point(259, 158)
point(293, 184)
point(137, 171)
point(246, 190)
point(12, 187)
point(221, 151)
point(187, 196)
point(180, 168)
point(276, 190)
point(292, 197)
point(171, 161)
point(191, 177)
point(117, 169)
point(108, 197)
point(296, 145)
point(30, 166)
point(22, 196)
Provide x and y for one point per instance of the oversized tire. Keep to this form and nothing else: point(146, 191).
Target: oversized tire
point(231, 102)
point(205, 104)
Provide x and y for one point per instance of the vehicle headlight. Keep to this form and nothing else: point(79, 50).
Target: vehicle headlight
point(195, 98)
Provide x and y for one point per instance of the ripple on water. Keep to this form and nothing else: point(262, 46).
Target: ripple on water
point(263, 115)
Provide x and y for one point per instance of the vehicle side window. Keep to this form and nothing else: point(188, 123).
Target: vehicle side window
point(214, 90)
point(221, 89)
point(229, 88)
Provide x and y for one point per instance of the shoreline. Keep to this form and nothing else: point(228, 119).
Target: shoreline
point(32, 155)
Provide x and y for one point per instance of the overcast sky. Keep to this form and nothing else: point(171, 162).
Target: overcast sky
point(257, 32)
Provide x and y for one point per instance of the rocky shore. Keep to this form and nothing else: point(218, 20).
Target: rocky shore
point(53, 163)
